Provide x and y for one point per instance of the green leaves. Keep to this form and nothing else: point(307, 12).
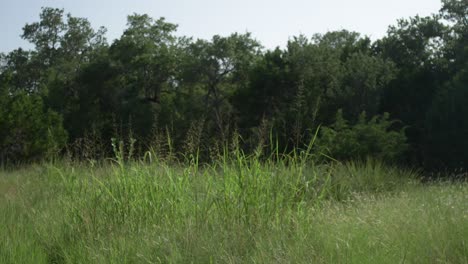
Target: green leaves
point(147, 56)
point(28, 131)
point(220, 68)
point(365, 138)
point(46, 34)
point(151, 80)
point(446, 125)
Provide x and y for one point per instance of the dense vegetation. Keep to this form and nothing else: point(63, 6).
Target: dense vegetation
point(403, 97)
point(239, 209)
point(158, 148)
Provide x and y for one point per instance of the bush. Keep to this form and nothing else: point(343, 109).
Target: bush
point(372, 138)
point(27, 130)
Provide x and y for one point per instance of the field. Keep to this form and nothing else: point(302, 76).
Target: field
point(237, 210)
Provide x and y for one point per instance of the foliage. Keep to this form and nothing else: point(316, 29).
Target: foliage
point(27, 130)
point(447, 126)
point(366, 138)
point(151, 82)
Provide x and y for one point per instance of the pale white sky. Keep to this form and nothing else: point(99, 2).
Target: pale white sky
point(271, 22)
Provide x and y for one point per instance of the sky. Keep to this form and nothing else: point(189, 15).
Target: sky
point(272, 22)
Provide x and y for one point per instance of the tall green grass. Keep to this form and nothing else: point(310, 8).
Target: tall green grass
point(236, 210)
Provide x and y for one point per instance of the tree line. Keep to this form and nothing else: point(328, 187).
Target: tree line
point(403, 97)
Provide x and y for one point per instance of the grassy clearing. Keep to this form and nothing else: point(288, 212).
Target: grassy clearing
point(236, 211)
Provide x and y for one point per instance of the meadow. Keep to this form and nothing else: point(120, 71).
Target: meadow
point(239, 209)
point(330, 147)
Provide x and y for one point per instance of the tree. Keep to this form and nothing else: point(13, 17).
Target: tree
point(28, 130)
point(303, 86)
point(47, 75)
point(22, 72)
point(447, 127)
point(365, 77)
point(220, 67)
point(415, 46)
point(46, 34)
point(152, 80)
point(147, 54)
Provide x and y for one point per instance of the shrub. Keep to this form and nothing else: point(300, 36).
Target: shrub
point(373, 138)
point(28, 130)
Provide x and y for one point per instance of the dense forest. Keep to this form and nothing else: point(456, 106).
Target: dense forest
point(402, 98)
